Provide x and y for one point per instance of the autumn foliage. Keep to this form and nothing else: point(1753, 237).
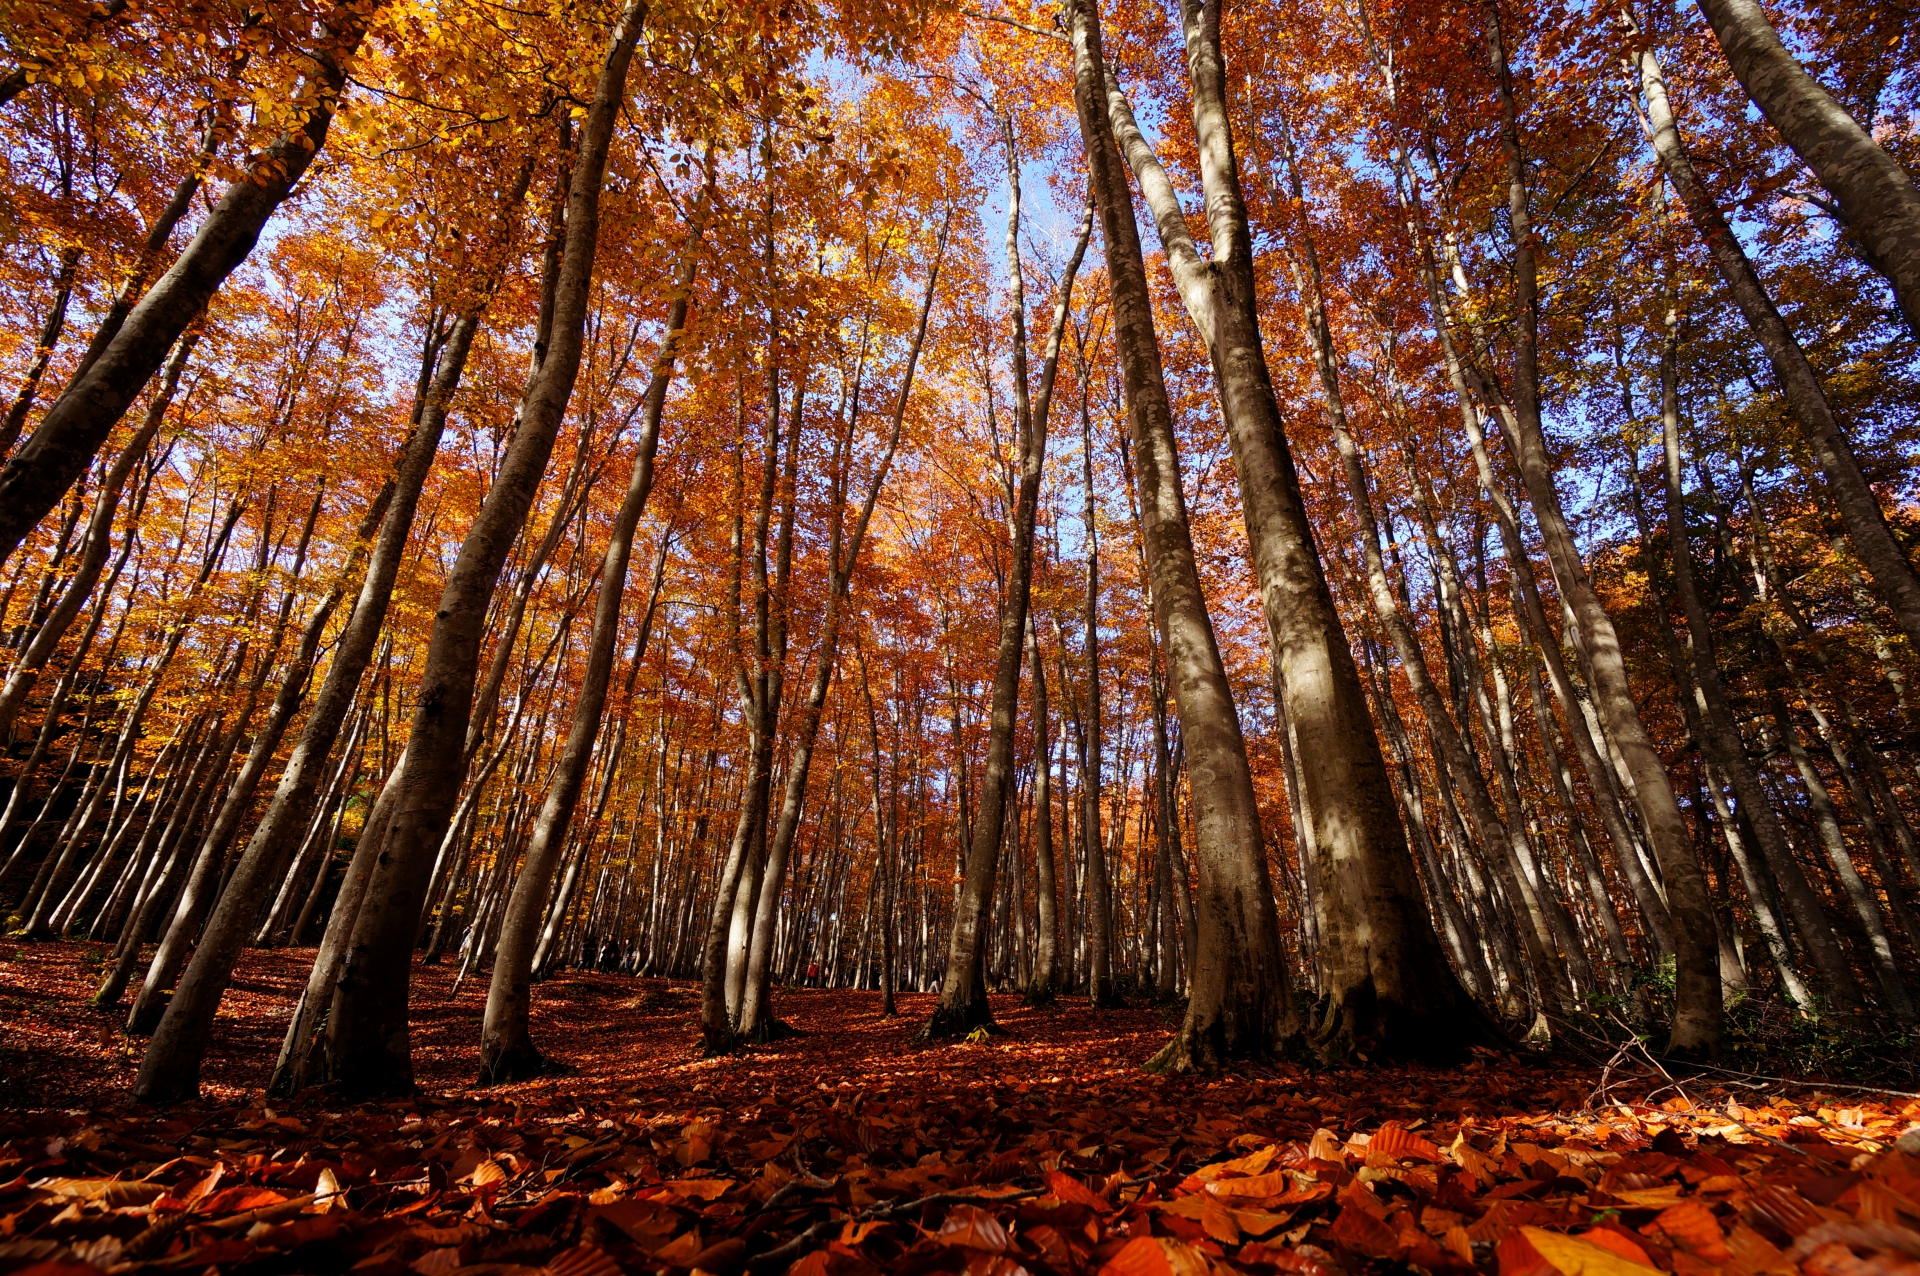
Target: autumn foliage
point(1345, 554)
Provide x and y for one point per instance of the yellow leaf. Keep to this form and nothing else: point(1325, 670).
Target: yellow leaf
point(1575, 1257)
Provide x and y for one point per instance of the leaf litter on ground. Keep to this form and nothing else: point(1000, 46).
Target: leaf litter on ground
point(847, 1150)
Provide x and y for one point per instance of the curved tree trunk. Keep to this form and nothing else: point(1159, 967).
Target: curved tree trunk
point(368, 1041)
point(507, 1052)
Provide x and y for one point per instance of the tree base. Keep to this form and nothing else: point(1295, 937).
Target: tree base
point(1038, 995)
point(520, 1062)
point(716, 1043)
point(950, 1023)
point(1358, 1025)
point(770, 1029)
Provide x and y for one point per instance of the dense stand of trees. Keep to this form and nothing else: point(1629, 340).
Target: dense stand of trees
point(526, 490)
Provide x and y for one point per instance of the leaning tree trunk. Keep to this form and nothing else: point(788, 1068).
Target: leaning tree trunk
point(1720, 741)
point(1699, 1013)
point(171, 1068)
point(64, 443)
point(507, 1052)
point(1877, 198)
point(1498, 840)
point(93, 554)
point(1242, 998)
point(1860, 509)
point(367, 1037)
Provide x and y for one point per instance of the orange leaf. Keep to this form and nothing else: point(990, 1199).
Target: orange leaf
point(1141, 1256)
point(1218, 1221)
point(971, 1227)
point(1391, 1140)
point(1694, 1228)
point(1069, 1188)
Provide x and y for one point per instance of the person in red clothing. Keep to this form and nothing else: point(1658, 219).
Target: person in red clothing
point(813, 975)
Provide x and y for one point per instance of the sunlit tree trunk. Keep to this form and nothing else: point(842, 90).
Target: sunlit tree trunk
point(368, 1041)
point(1242, 998)
point(963, 996)
point(1743, 29)
point(1698, 1011)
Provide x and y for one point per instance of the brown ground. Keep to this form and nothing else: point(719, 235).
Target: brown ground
point(850, 1149)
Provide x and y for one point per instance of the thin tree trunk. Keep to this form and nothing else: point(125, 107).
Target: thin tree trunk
point(367, 1031)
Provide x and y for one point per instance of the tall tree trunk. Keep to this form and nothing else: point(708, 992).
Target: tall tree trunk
point(1699, 1014)
point(1044, 984)
point(1242, 999)
point(507, 1052)
point(1092, 746)
point(963, 1003)
point(1502, 841)
point(1721, 738)
point(756, 1020)
point(368, 1042)
point(1389, 986)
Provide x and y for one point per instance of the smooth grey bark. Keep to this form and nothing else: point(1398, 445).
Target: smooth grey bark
point(74, 427)
point(1699, 1013)
point(1877, 198)
point(303, 1061)
point(1860, 509)
point(1388, 983)
point(1502, 841)
point(368, 1042)
point(1242, 997)
point(507, 1052)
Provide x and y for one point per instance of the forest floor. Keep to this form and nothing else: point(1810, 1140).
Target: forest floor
point(850, 1149)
